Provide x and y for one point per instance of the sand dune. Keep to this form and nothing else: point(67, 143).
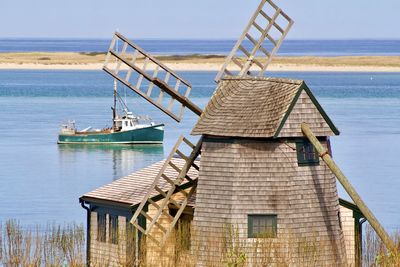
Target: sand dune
point(94, 61)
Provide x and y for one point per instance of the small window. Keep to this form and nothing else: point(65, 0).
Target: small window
point(306, 154)
point(126, 123)
point(101, 227)
point(113, 229)
point(262, 226)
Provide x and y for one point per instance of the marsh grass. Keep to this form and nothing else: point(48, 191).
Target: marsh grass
point(54, 246)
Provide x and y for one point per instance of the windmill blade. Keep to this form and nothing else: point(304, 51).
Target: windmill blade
point(165, 187)
point(265, 34)
point(324, 154)
point(160, 86)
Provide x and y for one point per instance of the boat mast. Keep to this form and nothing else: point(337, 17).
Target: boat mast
point(115, 98)
point(115, 103)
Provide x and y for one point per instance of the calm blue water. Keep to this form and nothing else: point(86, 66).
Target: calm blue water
point(219, 47)
point(40, 182)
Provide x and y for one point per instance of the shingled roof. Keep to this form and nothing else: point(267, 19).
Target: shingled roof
point(257, 107)
point(130, 190)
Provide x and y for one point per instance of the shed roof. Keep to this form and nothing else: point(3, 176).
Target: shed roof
point(130, 190)
point(351, 206)
point(253, 107)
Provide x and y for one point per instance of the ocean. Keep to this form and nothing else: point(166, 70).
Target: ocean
point(40, 181)
point(208, 47)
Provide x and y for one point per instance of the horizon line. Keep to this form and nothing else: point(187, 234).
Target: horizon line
point(194, 39)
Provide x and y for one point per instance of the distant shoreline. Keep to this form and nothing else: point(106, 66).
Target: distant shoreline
point(94, 61)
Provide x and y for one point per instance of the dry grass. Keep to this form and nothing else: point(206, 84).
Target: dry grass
point(234, 252)
point(374, 252)
point(228, 250)
point(55, 246)
point(65, 246)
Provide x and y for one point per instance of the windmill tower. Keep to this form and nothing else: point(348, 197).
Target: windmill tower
point(261, 183)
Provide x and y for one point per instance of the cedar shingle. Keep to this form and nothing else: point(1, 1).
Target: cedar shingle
point(251, 107)
point(256, 107)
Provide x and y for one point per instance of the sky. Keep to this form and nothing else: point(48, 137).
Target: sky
point(188, 19)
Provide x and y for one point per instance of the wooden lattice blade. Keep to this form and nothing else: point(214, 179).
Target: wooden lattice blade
point(162, 87)
point(164, 189)
point(266, 26)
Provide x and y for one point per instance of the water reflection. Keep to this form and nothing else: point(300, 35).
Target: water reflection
point(120, 160)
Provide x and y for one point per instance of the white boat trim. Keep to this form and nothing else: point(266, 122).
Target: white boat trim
point(124, 142)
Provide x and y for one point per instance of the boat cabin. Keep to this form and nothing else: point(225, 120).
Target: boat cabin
point(129, 122)
point(126, 122)
point(68, 128)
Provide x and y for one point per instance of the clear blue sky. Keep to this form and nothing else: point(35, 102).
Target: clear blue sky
point(175, 19)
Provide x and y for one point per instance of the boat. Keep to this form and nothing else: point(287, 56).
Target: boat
point(126, 129)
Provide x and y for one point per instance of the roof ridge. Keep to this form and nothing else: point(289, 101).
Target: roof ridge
point(259, 78)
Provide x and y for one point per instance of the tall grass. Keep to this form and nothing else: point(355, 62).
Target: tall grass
point(236, 252)
point(228, 249)
point(54, 246)
point(375, 253)
point(58, 245)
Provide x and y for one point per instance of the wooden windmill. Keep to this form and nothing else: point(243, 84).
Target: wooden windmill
point(258, 172)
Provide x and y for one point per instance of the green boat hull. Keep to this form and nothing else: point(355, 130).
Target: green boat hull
point(149, 135)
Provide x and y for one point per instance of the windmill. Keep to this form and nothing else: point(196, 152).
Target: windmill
point(258, 171)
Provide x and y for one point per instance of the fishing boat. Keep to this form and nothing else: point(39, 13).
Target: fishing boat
point(126, 129)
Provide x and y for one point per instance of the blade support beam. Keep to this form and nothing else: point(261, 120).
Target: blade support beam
point(390, 245)
point(175, 188)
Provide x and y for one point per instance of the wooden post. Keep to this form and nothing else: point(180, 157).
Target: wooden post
point(323, 153)
point(358, 240)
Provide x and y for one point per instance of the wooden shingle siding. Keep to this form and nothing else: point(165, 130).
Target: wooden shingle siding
point(305, 111)
point(247, 107)
point(105, 253)
point(349, 233)
point(262, 108)
point(245, 177)
point(155, 256)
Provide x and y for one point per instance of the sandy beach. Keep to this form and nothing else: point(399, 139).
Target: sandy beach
point(94, 61)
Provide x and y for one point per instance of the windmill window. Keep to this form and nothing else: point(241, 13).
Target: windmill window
point(262, 226)
point(306, 154)
point(101, 227)
point(113, 229)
